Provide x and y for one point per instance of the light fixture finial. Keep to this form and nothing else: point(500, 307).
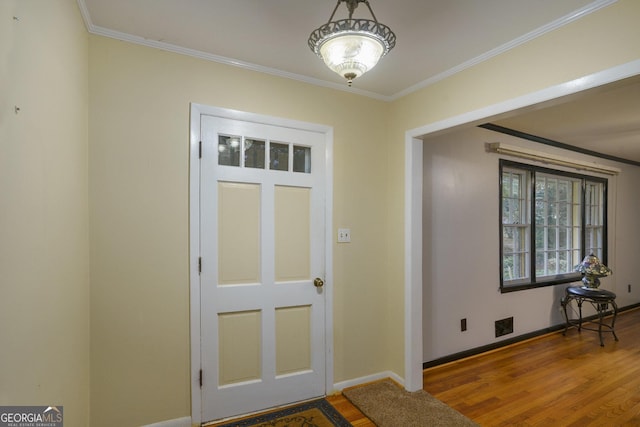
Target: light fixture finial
point(351, 47)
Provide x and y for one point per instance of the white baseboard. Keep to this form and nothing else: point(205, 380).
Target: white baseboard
point(367, 379)
point(178, 422)
point(186, 421)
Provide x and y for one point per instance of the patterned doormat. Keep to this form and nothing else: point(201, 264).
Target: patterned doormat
point(317, 413)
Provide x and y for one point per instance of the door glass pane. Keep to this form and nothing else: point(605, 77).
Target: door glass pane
point(254, 153)
point(229, 150)
point(301, 159)
point(278, 156)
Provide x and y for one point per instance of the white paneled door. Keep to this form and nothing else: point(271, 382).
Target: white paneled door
point(262, 250)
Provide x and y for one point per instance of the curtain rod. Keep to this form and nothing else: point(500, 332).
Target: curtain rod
point(512, 150)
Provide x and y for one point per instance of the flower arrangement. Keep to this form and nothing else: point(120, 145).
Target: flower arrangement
point(592, 269)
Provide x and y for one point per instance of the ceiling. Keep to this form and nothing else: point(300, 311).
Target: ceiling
point(605, 120)
point(435, 39)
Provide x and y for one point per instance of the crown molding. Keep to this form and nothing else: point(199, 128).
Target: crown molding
point(558, 23)
point(118, 35)
point(489, 112)
point(553, 25)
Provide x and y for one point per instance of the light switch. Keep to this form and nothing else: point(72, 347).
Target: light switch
point(344, 235)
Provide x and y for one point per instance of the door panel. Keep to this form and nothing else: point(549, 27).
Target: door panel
point(262, 246)
point(292, 233)
point(239, 346)
point(293, 331)
point(238, 233)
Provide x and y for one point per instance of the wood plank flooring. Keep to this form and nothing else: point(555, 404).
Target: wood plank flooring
point(551, 380)
point(350, 412)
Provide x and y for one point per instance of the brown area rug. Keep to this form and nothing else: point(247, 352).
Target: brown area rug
point(388, 405)
point(317, 413)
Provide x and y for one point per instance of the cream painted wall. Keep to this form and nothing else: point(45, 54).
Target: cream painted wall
point(461, 240)
point(139, 108)
point(599, 41)
point(139, 169)
point(138, 185)
point(44, 247)
point(596, 42)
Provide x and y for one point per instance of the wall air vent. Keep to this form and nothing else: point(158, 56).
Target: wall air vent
point(504, 326)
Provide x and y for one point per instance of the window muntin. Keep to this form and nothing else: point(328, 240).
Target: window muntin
point(550, 220)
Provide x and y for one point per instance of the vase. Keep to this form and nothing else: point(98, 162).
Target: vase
point(590, 281)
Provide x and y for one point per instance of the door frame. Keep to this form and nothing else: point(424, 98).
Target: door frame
point(413, 232)
point(196, 110)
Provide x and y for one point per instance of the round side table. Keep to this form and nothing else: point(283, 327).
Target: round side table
point(600, 299)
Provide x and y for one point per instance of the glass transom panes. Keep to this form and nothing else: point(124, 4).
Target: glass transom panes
point(301, 159)
point(278, 156)
point(257, 153)
point(229, 150)
point(254, 153)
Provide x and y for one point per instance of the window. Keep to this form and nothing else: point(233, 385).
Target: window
point(255, 151)
point(549, 221)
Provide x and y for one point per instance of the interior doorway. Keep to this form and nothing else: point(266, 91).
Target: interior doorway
point(414, 186)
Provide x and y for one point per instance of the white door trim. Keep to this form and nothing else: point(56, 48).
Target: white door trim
point(413, 196)
point(194, 237)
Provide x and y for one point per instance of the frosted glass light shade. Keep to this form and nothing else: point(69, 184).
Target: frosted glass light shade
point(351, 54)
point(351, 47)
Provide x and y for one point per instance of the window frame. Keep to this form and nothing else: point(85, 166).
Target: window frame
point(530, 170)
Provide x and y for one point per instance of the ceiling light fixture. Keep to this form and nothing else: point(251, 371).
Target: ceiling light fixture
point(351, 47)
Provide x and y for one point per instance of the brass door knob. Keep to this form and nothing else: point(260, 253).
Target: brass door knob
point(318, 282)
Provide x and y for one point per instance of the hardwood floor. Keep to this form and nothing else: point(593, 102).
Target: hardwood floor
point(350, 412)
point(551, 380)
